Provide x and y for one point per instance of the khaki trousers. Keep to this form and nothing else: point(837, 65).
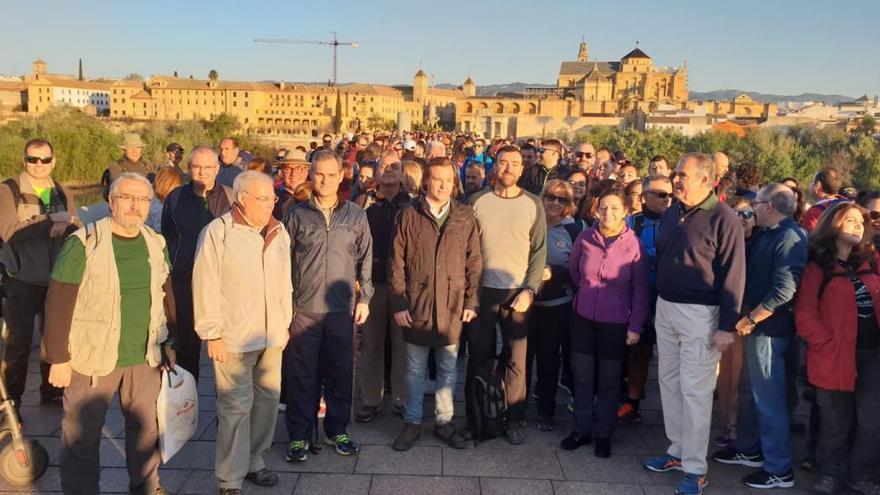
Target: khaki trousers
point(248, 388)
point(687, 363)
point(372, 360)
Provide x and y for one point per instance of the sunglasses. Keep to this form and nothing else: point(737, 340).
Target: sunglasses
point(746, 214)
point(875, 215)
point(551, 198)
point(660, 194)
point(45, 160)
point(575, 183)
point(583, 154)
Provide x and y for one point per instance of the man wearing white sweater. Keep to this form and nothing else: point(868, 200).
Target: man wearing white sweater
point(245, 256)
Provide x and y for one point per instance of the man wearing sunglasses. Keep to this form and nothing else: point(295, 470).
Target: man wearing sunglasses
point(657, 195)
point(584, 156)
point(479, 156)
point(547, 168)
point(36, 214)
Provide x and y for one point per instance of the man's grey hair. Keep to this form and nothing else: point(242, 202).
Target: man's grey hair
point(780, 197)
point(323, 155)
point(129, 176)
point(646, 181)
point(704, 163)
point(204, 149)
point(245, 179)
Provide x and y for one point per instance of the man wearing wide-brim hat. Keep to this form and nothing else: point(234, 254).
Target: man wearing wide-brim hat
point(293, 169)
point(132, 147)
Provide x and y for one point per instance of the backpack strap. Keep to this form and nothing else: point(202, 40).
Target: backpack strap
point(15, 189)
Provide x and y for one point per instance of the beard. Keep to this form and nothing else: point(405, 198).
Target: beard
point(130, 220)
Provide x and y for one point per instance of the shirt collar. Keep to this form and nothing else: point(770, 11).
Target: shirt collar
point(443, 209)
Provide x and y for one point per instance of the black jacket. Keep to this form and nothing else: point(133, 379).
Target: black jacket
point(327, 259)
point(183, 218)
point(534, 177)
point(381, 214)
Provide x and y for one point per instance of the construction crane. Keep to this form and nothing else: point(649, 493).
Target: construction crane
point(335, 43)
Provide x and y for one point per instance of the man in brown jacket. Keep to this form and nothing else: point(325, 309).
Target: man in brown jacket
point(434, 274)
point(36, 214)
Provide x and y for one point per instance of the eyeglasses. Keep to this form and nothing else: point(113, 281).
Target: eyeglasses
point(128, 198)
point(551, 198)
point(660, 194)
point(583, 154)
point(746, 214)
point(45, 160)
point(263, 199)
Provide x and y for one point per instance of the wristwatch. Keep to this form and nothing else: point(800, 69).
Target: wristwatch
point(751, 321)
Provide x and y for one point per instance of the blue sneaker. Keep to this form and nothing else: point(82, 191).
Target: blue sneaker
point(343, 444)
point(296, 451)
point(662, 464)
point(691, 484)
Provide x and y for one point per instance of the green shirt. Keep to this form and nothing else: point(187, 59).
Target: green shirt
point(132, 264)
point(44, 193)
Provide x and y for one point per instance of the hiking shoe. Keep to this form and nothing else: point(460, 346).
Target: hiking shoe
point(263, 477)
point(826, 485)
point(662, 464)
point(628, 414)
point(230, 491)
point(574, 440)
point(545, 423)
point(763, 479)
point(160, 491)
point(865, 487)
point(514, 433)
point(444, 431)
point(297, 451)
point(603, 447)
point(691, 484)
point(366, 413)
point(733, 456)
point(411, 432)
point(344, 445)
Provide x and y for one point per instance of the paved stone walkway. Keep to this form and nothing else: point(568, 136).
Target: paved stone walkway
point(536, 468)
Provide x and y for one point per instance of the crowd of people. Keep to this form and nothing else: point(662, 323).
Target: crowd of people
point(423, 250)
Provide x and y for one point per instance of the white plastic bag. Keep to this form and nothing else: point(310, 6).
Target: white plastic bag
point(178, 411)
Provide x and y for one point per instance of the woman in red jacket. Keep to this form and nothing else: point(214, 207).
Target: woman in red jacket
point(836, 312)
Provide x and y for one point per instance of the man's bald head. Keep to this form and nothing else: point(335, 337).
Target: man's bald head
point(722, 164)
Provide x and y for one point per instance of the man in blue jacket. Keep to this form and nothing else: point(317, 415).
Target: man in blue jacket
point(331, 250)
point(776, 258)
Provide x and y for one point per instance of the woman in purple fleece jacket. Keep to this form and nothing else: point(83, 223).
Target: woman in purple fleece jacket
point(609, 267)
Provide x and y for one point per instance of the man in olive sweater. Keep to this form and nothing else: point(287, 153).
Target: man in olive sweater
point(700, 280)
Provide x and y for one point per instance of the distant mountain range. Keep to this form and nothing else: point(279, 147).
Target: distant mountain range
point(718, 94)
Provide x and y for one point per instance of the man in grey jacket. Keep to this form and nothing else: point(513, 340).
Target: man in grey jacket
point(331, 250)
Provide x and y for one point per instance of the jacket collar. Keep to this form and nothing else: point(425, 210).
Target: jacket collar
point(597, 238)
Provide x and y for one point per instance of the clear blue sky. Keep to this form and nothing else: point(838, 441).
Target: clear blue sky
point(779, 46)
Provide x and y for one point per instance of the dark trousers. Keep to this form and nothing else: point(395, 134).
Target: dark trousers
point(188, 344)
point(482, 344)
point(22, 303)
point(597, 360)
point(85, 407)
point(548, 333)
point(849, 435)
point(319, 351)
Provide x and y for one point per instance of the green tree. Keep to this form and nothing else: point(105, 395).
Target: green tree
point(867, 124)
point(337, 114)
point(213, 75)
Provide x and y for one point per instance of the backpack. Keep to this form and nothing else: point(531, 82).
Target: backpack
point(488, 401)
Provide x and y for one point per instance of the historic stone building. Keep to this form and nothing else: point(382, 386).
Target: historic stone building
point(588, 92)
point(47, 90)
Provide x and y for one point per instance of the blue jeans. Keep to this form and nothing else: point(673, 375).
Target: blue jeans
point(762, 424)
point(416, 375)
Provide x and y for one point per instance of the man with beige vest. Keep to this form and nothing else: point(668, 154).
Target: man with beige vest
point(108, 312)
point(243, 306)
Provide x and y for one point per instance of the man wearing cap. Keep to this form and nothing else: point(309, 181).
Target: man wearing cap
point(132, 161)
point(480, 156)
point(188, 209)
point(173, 157)
point(294, 169)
